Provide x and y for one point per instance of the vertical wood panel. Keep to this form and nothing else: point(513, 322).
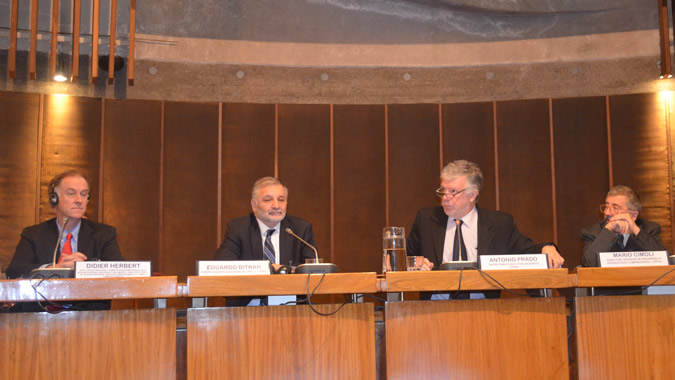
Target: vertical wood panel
point(525, 166)
point(13, 26)
point(582, 175)
point(190, 189)
point(131, 157)
point(77, 12)
point(111, 43)
point(304, 166)
point(413, 161)
point(640, 156)
point(248, 154)
point(468, 133)
point(32, 55)
point(71, 140)
point(54, 51)
point(18, 163)
point(131, 60)
point(96, 25)
point(359, 187)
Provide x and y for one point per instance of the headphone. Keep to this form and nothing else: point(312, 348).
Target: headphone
point(51, 188)
point(284, 269)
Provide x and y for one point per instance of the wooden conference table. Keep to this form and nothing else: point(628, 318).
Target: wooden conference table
point(516, 338)
point(115, 344)
point(504, 338)
point(629, 336)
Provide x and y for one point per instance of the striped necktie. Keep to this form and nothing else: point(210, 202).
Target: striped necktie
point(268, 248)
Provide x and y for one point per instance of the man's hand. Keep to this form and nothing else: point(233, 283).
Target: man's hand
point(554, 258)
point(68, 261)
point(622, 224)
point(427, 265)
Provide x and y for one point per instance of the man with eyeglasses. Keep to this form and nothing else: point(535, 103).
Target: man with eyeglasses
point(458, 230)
point(82, 239)
point(621, 229)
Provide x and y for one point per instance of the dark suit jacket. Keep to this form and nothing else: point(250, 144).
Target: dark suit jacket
point(36, 246)
point(599, 239)
point(497, 234)
point(243, 241)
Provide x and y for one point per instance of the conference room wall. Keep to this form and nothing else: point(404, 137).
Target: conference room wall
point(170, 175)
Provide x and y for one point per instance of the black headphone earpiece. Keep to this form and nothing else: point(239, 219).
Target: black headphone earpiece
point(53, 197)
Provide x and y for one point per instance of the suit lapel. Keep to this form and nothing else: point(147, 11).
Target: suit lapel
point(484, 233)
point(440, 222)
point(84, 243)
point(255, 239)
point(52, 240)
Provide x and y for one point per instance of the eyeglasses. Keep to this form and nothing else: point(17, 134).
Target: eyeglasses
point(441, 192)
point(614, 209)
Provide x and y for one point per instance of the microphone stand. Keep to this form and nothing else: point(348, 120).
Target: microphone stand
point(317, 267)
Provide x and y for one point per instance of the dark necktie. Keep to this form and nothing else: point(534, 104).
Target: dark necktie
point(458, 247)
point(268, 248)
point(619, 241)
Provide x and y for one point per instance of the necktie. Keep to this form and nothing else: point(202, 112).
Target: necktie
point(67, 248)
point(619, 241)
point(268, 248)
point(458, 247)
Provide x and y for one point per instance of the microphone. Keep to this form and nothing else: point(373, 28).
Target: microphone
point(54, 272)
point(315, 267)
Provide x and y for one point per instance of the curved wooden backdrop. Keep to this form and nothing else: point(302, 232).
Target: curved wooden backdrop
point(170, 175)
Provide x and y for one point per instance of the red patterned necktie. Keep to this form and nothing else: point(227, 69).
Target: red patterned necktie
point(67, 248)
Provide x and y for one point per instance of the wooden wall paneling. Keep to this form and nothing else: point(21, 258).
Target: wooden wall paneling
point(13, 29)
point(71, 139)
point(523, 130)
point(359, 187)
point(414, 157)
point(468, 133)
point(18, 164)
point(131, 154)
point(581, 169)
point(640, 154)
point(247, 155)
point(190, 192)
point(304, 166)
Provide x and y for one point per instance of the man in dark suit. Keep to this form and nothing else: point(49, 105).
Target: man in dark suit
point(459, 230)
point(621, 228)
point(82, 239)
point(262, 234)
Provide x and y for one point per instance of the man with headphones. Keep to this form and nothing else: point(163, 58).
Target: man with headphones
point(81, 240)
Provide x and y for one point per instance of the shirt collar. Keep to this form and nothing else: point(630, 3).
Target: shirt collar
point(263, 227)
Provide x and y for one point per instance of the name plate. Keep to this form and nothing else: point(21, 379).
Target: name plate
point(632, 259)
point(232, 268)
point(526, 261)
point(105, 269)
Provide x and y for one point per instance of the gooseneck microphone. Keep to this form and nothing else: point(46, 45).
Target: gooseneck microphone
point(314, 267)
point(54, 272)
point(58, 242)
